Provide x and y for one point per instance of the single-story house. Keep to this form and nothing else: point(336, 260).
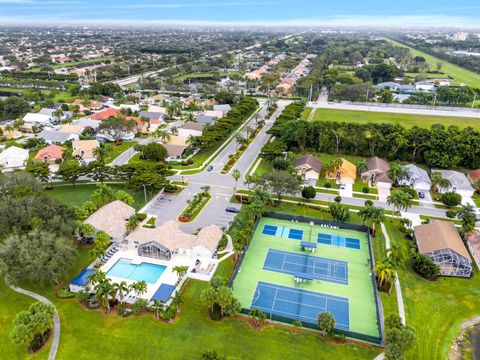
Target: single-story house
point(83, 150)
point(308, 167)
point(13, 158)
point(393, 86)
point(205, 119)
point(50, 112)
point(473, 244)
point(194, 126)
point(157, 109)
point(105, 114)
point(56, 137)
point(440, 241)
point(417, 178)
point(10, 134)
point(152, 115)
point(72, 129)
point(473, 176)
point(458, 183)
point(186, 132)
point(377, 173)
point(284, 88)
point(174, 152)
point(167, 239)
point(89, 105)
point(425, 86)
point(50, 154)
point(214, 114)
point(36, 118)
point(112, 218)
point(345, 173)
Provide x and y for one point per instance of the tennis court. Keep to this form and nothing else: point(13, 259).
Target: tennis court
point(282, 231)
point(289, 284)
point(335, 271)
point(300, 304)
point(338, 240)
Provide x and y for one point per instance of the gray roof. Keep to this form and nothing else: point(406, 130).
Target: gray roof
point(310, 161)
point(223, 107)
point(85, 122)
point(49, 112)
point(457, 179)
point(204, 119)
point(152, 115)
point(390, 84)
point(193, 126)
point(55, 136)
point(417, 174)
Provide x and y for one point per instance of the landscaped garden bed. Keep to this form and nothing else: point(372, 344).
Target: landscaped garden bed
point(234, 157)
point(195, 206)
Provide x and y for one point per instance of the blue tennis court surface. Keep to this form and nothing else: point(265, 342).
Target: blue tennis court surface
point(321, 269)
point(338, 240)
point(283, 232)
point(300, 304)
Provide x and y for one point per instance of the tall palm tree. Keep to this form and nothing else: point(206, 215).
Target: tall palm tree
point(177, 300)
point(439, 182)
point(189, 118)
point(400, 200)
point(236, 175)
point(67, 154)
point(139, 287)
point(239, 140)
point(103, 291)
point(174, 130)
point(158, 307)
point(249, 130)
point(163, 135)
point(120, 289)
point(397, 172)
point(100, 153)
point(372, 216)
point(97, 277)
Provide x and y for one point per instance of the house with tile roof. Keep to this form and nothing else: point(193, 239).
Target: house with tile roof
point(377, 173)
point(51, 154)
point(459, 183)
point(346, 173)
point(308, 167)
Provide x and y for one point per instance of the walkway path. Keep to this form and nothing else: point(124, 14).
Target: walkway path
point(56, 319)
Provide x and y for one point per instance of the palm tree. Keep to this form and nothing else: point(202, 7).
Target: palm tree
point(400, 200)
point(397, 172)
point(96, 252)
point(163, 135)
point(371, 216)
point(174, 130)
point(120, 289)
point(239, 140)
point(439, 182)
point(258, 316)
point(177, 300)
point(250, 130)
point(205, 188)
point(385, 273)
point(103, 291)
point(189, 118)
point(67, 154)
point(97, 277)
point(139, 287)
point(158, 307)
point(236, 175)
point(362, 167)
point(180, 270)
point(100, 153)
point(237, 249)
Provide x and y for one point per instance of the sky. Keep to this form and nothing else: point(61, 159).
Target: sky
point(386, 13)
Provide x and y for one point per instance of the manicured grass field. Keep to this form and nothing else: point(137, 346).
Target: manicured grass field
point(73, 63)
point(78, 194)
point(59, 95)
point(118, 149)
point(89, 334)
point(460, 74)
point(306, 113)
point(435, 309)
point(202, 75)
point(407, 120)
point(359, 291)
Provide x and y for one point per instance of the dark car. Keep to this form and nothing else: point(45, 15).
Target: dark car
point(232, 210)
point(209, 168)
point(421, 195)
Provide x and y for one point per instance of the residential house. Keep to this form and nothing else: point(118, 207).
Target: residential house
point(50, 112)
point(224, 108)
point(308, 167)
point(458, 183)
point(388, 85)
point(86, 122)
point(83, 150)
point(473, 244)
point(345, 173)
point(10, 134)
point(417, 178)
point(284, 88)
point(90, 105)
point(112, 218)
point(51, 154)
point(56, 137)
point(377, 173)
point(440, 241)
point(190, 129)
point(152, 115)
point(425, 86)
point(167, 240)
point(157, 109)
point(13, 158)
point(214, 114)
point(473, 176)
point(204, 119)
point(174, 152)
point(105, 114)
point(71, 129)
point(36, 118)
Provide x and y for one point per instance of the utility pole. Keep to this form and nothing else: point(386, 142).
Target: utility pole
point(434, 101)
point(473, 102)
point(310, 95)
point(366, 101)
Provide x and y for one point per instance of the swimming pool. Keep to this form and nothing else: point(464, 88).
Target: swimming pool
point(124, 268)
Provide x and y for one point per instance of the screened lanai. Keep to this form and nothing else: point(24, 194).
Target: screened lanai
point(154, 250)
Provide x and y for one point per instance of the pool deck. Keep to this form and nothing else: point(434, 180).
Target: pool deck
point(168, 276)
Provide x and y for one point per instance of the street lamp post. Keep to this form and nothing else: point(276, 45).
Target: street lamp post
point(145, 192)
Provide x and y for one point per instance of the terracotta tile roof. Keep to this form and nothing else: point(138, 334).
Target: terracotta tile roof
point(474, 175)
point(49, 152)
point(105, 114)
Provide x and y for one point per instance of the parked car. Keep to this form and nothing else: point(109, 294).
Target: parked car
point(209, 168)
point(342, 187)
point(421, 195)
point(232, 209)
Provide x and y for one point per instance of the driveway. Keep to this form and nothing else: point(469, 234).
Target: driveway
point(347, 191)
point(383, 194)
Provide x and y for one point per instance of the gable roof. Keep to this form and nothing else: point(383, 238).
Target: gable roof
point(174, 150)
point(349, 168)
point(86, 122)
point(14, 152)
point(310, 161)
point(439, 235)
point(86, 145)
point(474, 175)
point(105, 114)
point(112, 218)
point(223, 107)
point(205, 119)
point(379, 167)
point(55, 136)
point(36, 118)
point(417, 173)
point(69, 128)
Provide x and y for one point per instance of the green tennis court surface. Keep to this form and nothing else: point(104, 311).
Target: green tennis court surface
point(341, 274)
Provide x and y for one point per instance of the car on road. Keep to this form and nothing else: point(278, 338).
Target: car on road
point(421, 195)
point(209, 168)
point(232, 209)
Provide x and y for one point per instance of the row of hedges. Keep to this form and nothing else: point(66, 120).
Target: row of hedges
point(194, 207)
point(234, 157)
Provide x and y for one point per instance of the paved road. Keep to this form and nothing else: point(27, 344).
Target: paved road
point(337, 106)
point(56, 319)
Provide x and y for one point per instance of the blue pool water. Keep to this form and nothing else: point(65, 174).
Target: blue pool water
point(124, 268)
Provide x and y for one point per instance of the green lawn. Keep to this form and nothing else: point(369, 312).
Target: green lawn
point(118, 149)
point(78, 194)
point(458, 73)
point(93, 335)
point(262, 168)
point(306, 113)
point(59, 95)
point(407, 120)
point(73, 63)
